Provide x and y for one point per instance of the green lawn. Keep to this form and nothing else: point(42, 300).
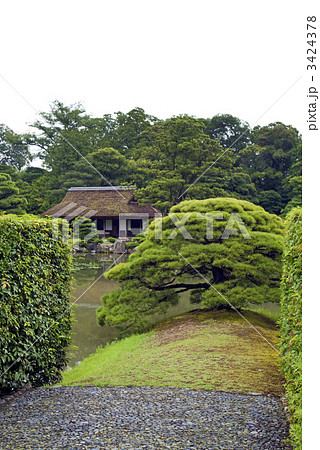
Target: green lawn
point(201, 350)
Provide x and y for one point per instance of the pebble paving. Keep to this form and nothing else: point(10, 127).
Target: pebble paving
point(144, 417)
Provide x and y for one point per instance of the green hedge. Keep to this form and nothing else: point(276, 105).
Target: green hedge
point(291, 321)
point(35, 319)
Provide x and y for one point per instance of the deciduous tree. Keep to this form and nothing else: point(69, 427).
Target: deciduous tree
point(276, 149)
point(181, 161)
point(13, 150)
point(231, 132)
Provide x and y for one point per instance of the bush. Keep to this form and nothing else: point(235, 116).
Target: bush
point(35, 317)
point(135, 241)
point(84, 232)
point(111, 239)
point(291, 321)
point(96, 240)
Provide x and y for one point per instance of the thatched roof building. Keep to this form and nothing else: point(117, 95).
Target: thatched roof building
point(114, 209)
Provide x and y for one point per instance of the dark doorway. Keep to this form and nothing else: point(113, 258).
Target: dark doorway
point(100, 224)
point(115, 227)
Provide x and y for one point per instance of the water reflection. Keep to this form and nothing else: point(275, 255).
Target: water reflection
point(88, 286)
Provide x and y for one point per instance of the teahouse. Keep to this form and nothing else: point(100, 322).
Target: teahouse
point(114, 209)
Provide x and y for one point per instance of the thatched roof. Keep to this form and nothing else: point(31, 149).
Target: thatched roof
point(99, 202)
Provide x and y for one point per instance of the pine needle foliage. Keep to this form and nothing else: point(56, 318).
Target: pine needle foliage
point(223, 251)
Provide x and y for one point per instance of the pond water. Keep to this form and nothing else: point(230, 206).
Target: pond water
point(89, 286)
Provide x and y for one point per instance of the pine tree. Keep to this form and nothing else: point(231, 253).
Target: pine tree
point(223, 250)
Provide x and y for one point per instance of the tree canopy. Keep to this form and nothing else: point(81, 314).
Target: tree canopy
point(223, 250)
point(180, 158)
point(230, 131)
point(13, 151)
point(10, 200)
point(272, 158)
point(180, 161)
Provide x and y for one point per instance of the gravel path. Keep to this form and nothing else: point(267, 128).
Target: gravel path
point(140, 418)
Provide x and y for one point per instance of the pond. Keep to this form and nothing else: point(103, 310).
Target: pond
point(89, 286)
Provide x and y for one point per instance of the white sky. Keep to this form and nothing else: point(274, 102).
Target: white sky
point(168, 57)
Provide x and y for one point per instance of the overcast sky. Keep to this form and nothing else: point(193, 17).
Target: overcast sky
point(168, 57)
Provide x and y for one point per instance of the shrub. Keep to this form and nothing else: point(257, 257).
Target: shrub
point(84, 232)
point(291, 321)
point(35, 317)
point(135, 241)
point(96, 240)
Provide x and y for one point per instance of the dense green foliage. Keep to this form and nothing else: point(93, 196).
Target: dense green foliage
point(230, 131)
point(271, 161)
point(10, 200)
point(35, 317)
point(224, 251)
point(84, 232)
point(180, 158)
point(181, 161)
point(291, 321)
point(13, 151)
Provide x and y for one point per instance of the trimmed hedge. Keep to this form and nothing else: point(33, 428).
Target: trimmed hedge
point(291, 321)
point(35, 316)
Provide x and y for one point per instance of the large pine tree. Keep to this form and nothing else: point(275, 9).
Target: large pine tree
point(223, 250)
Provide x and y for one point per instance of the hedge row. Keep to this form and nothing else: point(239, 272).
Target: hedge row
point(35, 319)
point(291, 321)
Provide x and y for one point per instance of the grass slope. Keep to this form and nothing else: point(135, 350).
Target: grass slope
point(202, 349)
